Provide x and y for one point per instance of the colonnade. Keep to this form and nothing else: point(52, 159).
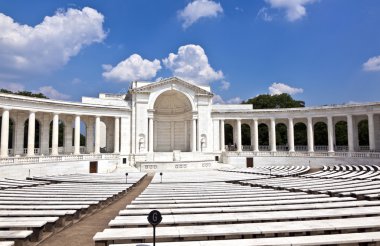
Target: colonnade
point(55, 134)
point(271, 123)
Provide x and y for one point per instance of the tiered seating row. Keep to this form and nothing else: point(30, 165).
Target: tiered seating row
point(272, 170)
point(362, 189)
point(227, 214)
point(30, 214)
point(371, 172)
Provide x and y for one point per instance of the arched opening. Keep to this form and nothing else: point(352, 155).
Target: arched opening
point(263, 137)
point(37, 136)
point(281, 137)
point(341, 136)
point(300, 137)
point(320, 136)
point(61, 134)
point(228, 136)
point(10, 134)
point(246, 137)
point(363, 135)
point(172, 122)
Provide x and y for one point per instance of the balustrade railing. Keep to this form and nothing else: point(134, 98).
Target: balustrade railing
point(39, 159)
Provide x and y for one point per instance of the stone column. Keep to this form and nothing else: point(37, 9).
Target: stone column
point(350, 133)
point(255, 135)
point(31, 132)
point(97, 135)
point(222, 137)
point(151, 134)
point(77, 135)
point(238, 131)
point(291, 135)
point(116, 147)
point(4, 133)
point(272, 135)
point(310, 134)
point(54, 142)
point(371, 133)
point(194, 136)
point(330, 132)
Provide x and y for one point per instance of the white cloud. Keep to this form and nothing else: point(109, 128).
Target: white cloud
point(131, 69)
point(50, 44)
point(373, 64)
point(217, 99)
point(264, 14)
point(12, 86)
point(199, 9)
point(52, 93)
point(279, 88)
point(295, 9)
point(191, 64)
point(235, 100)
point(225, 85)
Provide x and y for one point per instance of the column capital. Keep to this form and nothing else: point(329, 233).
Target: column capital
point(32, 111)
point(56, 113)
point(7, 108)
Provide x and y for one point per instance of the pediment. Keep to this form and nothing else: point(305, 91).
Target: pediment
point(173, 81)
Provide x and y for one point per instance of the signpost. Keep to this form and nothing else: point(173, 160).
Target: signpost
point(126, 178)
point(154, 218)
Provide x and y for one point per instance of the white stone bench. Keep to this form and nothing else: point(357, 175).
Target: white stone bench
point(348, 204)
point(236, 230)
point(338, 239)
point(21, 237)
point(187, 219)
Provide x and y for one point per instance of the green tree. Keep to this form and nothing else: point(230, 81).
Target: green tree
point(267, 101)
point(24, 93)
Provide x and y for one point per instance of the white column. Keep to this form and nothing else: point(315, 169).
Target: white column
point(310, 134)
point(116, 144)
point(77, 135)
point(350, 133)
point(371, 133)
point(54, 142)
point(238, 131)
point(4, 133)
point(222, 137)
point(330, 132)
point(194, 136)
point(291, 135)
point(272, 135)
point(31, 132)
point(97, 135)
point(151, 125)
point(255, 135)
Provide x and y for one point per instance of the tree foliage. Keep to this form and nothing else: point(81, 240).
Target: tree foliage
point(267, 101)
point(24, 93)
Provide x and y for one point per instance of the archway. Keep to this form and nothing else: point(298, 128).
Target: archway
point(300, 136)
point(263, 137)
point(281, 136)
point(228, 135)
point(363, 135)
point(341, 136)
point(61, 133)
point(172, 122)
point(320, 136)
point(246, 135)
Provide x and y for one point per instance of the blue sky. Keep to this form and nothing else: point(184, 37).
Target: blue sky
point(321, 51)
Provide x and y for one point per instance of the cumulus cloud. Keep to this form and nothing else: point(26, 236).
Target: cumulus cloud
point(199, 9)
point(373, 64)
point(52, 93)
point(279, 88)
point(225, 85)
point(217, 99)
point(50, 44)
point(295, 9)
point(191, 64)
point(131, 69)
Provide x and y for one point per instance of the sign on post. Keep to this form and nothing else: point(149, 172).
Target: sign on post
point(154, 218)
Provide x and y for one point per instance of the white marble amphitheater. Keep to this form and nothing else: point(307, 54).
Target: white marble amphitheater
point(89, 172)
